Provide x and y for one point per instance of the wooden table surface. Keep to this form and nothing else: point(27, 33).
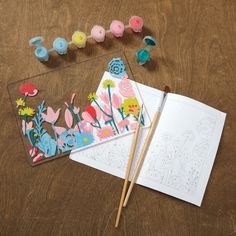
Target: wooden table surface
point(196, 57)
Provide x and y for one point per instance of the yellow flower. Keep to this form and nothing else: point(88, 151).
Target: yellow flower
point(92, 96)
point(108, 82)
point(131, 106)
point(28, 111)
point(20, 102)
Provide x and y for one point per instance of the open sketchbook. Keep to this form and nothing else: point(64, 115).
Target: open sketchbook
point(182, 151)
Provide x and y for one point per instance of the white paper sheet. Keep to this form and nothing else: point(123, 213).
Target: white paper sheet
point(182, 152)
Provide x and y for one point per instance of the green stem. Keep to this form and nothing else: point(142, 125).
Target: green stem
point(99, 125)
point(55, 134)
point(109, 94)
point(141, 120)
point(25, 120)
point(30, 140)
point(75, 118)
point(25, 97)
point(123, 118)
point(32, 145)
point(80, 121)
point(102, 109)
point(32, 150)
point(111, 124)
point(73, 140)
point(95, 126)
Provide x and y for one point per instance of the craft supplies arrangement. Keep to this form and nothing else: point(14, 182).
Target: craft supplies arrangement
point(158, 139)
point(98, 33)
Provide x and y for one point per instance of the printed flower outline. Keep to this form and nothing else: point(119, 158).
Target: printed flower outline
point(51, 116)
point(28, 89)
point(105, 132)
point(117, 67)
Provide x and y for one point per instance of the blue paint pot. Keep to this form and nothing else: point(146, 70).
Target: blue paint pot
point(60, 45)
point(41, 53)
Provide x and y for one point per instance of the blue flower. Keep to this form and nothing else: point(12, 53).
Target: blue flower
point(117, 68)
point(73, 139)
point(47, 145)
point(68, 139)
point(83, 139)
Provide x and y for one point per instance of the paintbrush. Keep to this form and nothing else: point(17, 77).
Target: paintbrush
point(131, 158)
point(146, 145)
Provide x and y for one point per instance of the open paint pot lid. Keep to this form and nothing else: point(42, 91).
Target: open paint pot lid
point(149, 41)
point(36, 41)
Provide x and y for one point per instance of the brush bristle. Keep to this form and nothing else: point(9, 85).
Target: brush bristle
point(167, 89)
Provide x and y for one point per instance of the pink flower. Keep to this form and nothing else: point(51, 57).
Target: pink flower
point(26, 126)
point(59, 130)
point(105, 132)
point(104, 97)
point(72, 98)
point(87, 117)
point(98, 111)
point(133, 126)
point(40, 157)
point(76, 110)
point(125, 88)
point(68, 118)
point(122, 124)
point(84, 127)
point(32, 151)
point(108, 111)
point(60, 142)
point(51, 116)
point(116, 101)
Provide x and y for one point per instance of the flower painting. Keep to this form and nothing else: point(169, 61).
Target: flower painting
point(112, 110)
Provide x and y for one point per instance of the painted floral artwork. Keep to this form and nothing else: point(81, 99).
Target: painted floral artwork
point(114, 110)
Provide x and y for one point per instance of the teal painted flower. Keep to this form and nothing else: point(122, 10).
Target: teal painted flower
point(117, 67)
point(83, 139)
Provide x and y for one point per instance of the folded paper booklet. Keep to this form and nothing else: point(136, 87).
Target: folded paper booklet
point(54, 118)
point(182, 151)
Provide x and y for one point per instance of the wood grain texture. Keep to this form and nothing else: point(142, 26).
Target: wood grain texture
point(196, 57)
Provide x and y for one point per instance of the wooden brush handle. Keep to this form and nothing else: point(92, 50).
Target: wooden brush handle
point(143, 155)
point(131, 158)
